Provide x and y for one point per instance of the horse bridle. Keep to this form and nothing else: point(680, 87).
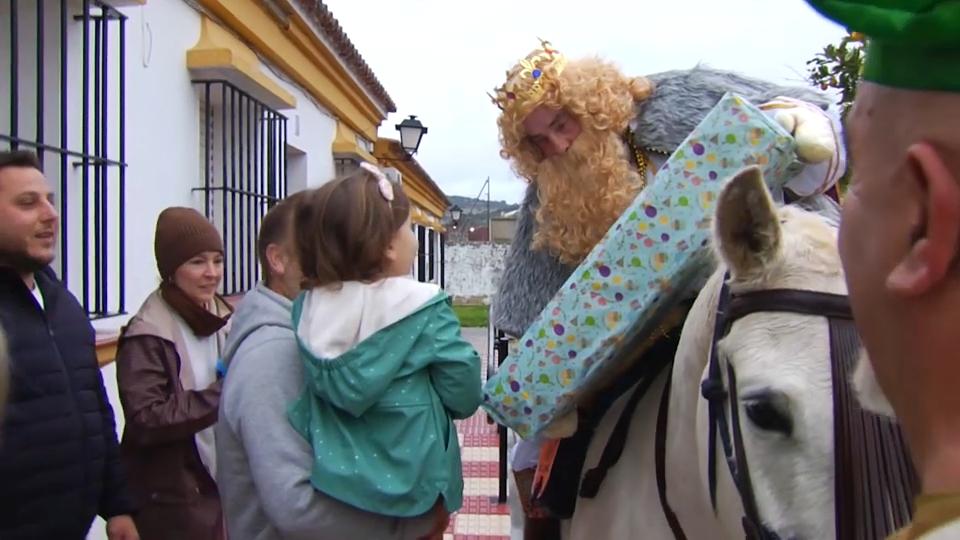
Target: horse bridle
point(731, 308)
point(875, 482)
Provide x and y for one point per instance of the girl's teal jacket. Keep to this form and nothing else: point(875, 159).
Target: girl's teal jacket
point(380, 415)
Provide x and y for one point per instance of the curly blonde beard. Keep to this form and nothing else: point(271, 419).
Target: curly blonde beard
point(582, 193)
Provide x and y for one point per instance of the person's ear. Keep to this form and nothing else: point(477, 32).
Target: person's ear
point(391, 253)
point(275, 257)
point(935, 239)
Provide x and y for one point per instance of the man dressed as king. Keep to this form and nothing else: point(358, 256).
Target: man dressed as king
point(587, 139)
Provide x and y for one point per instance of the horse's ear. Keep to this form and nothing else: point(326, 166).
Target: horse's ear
point(746, 227)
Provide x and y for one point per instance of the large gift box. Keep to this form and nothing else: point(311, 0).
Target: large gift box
point(649, 259)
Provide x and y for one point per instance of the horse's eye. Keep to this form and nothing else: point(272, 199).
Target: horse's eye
point(768, 416)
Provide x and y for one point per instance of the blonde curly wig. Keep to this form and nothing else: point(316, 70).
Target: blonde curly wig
point(585, 190)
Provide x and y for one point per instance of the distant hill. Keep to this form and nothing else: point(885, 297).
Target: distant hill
point(475, 210)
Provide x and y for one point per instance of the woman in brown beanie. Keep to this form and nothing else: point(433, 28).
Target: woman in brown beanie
point(169, 389)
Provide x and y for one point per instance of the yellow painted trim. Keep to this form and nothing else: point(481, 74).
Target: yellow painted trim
point(422, 217)
point(345, 145)
point(416, 193)
point(299, 53)
point(106, 351)
point(127, 3)
point(219, 52)
point(416, 188)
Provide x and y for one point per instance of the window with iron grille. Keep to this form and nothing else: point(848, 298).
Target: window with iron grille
point(431, 254)
point(421, 253)
point(62, 95)
point(345, 166)
point(244, 174)
point(443, 262)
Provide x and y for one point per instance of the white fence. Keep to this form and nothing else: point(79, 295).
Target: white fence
point(473, 271)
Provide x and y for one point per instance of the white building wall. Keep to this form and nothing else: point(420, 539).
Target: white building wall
point(163, 133)
point(473, 271)
point(163, 143)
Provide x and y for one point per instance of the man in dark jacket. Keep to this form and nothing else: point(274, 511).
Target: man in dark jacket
point(59, 459)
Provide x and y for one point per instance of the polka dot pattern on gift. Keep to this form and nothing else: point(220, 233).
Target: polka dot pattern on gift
point(647, 261)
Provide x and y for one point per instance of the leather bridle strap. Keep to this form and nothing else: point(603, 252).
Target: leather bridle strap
point(800, 302)
point(660, 457)
point(875, 481)
point(722, 398)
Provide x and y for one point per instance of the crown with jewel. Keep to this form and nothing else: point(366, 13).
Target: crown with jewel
point(527, 81)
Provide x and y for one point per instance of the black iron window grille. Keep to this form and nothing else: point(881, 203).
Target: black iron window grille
point(244, 160)
point(443, 260)
point(431, 254)
point(345, 166)
point(421, 253)
point(62, 74)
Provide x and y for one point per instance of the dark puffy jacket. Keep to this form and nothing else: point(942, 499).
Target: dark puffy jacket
point(59, 457)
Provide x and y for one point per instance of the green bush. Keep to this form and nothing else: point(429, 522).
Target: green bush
point(472, 316)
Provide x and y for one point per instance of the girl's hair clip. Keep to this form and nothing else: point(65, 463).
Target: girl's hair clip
point(386, 188)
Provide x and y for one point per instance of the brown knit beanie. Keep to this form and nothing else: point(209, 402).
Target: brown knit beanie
point(182, 233)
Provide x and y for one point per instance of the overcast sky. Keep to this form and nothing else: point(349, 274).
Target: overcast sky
point(438, 58)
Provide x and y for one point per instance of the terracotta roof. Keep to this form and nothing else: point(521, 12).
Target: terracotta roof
point(330, 29)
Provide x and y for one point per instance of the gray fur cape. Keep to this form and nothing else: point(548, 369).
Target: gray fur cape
point(681, 100)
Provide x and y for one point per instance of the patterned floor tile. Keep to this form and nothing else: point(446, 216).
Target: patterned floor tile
point(482, 525)
point(480, 518)
point(481, 453)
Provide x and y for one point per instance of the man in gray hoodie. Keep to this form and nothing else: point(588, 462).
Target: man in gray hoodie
point(263, 465)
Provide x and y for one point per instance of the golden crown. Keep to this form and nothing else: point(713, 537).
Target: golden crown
point(529, 69)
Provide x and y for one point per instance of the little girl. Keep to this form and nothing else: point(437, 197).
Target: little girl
point(386, 369)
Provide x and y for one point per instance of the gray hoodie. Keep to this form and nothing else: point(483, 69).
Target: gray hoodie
point(263, 465)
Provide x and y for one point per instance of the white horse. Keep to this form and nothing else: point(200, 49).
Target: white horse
point(784, 394)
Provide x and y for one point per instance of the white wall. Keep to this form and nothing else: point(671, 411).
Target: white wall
point(473, 271)
point(163, 145)
point(163, 119)
point(164, 128)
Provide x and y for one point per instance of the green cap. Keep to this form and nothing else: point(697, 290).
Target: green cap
point(911, 44)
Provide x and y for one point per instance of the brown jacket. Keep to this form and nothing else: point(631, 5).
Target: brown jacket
point(177, 496)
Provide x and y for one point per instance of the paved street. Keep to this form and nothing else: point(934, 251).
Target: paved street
point(480, 518)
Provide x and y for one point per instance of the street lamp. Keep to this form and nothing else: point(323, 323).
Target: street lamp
point(411, 132)
point(455, 214)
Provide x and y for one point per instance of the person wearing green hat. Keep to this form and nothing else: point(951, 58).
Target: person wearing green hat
point(900, 235)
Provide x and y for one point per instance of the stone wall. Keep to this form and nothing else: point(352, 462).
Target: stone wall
point(473, 270)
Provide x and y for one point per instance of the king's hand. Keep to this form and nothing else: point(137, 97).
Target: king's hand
point(813, 131)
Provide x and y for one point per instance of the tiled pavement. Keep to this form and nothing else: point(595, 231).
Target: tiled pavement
point(481, 518)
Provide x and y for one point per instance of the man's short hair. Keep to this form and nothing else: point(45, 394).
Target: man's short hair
point(274, 229)
point(19, 158)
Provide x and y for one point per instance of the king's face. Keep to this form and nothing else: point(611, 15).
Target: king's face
point(550, 130)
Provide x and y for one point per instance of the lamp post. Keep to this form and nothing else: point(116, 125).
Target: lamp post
point(411, 133)
point(455, 214)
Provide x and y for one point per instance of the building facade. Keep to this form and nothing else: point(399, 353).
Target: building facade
point(223, 105)
point(428, 205)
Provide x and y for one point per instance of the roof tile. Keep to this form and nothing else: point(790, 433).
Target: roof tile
point(330, 29)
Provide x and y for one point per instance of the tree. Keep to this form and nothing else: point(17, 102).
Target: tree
point(840, 67)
